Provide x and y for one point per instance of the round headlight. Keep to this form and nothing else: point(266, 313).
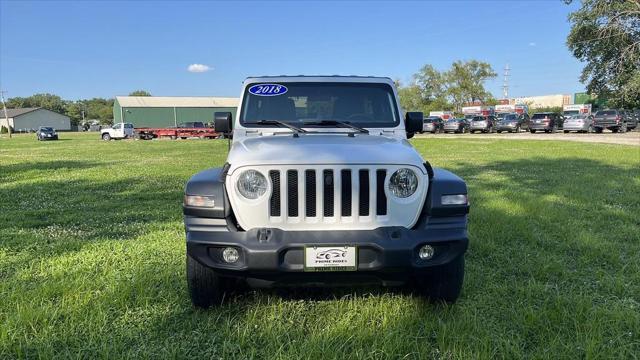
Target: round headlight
point(403, 183)
point(252, 184)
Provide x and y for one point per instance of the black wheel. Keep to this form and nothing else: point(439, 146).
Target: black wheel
point(598, 130)
point(206, 287)
point(499, 131)
point(443, 283)
point(566, 131)
point(532, 131)
point(106, 137)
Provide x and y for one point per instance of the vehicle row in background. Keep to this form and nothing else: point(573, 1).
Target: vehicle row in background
point(183, 131)
point(577, 118)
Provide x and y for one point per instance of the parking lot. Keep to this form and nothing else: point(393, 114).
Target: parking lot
point(630, 138)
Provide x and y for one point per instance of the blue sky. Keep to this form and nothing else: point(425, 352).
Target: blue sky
point(102, 49)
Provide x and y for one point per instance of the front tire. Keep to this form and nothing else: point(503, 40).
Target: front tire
point(206, 287)
point(532, 131)
point(106, 137)
point(443, 283)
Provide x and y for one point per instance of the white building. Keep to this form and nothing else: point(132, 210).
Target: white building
point(27, 119)
point(543, 101)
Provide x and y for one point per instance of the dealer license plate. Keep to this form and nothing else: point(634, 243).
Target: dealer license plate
point(330, 258)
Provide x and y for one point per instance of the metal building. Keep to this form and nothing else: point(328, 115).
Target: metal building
point(164, 111)
point(30, 119)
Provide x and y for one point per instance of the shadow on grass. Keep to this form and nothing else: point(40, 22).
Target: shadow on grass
point(542, 231)
point(23, 169)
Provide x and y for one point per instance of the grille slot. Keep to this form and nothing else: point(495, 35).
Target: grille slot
point(327, 189)
point(363, 206)
point(292, 193)
point(381, 198)
point(274, 202)
point(310, 193)
point(345, 192)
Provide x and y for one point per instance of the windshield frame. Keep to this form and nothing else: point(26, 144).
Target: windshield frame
point(301, 123)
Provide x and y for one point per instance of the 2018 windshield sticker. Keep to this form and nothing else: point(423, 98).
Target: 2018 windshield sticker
point(268, 89)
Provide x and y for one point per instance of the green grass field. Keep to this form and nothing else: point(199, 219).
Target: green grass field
point(92, 258)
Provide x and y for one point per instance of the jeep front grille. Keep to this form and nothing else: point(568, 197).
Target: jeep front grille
point(330, 191)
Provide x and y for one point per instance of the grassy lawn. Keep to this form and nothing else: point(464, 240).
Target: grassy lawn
point(92, 260)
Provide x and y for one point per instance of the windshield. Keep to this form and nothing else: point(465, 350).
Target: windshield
point(359, 104)
point(46, 129)
point(479, 118)
point(453, 121)
point(541, 116)
point(510, 117)
point(606, 113)
point(571, 112)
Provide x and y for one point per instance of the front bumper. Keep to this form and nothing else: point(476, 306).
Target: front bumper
point(575, 127)
point(479, 127)
point(503, 127)
point(540, 127)
point(273, 257)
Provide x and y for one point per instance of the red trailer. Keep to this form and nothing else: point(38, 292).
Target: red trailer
point(174, 133)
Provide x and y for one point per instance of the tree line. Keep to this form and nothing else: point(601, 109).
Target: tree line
point(99, 109)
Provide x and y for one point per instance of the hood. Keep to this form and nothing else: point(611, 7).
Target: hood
point(310, 149)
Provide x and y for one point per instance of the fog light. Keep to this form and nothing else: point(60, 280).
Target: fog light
point(230, 255)
point(426, 252)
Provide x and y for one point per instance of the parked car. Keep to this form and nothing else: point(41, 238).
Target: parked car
point(46, 133)
point(614, 120)
point(456, 126)
point(117, 131)
point(513, 123)
point(581, 123)
point(433, 124)
point(485, 124)
point(549, 122)
point(333, 200)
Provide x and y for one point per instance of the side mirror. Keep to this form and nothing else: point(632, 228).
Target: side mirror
point(222, 122)
point(413, 122)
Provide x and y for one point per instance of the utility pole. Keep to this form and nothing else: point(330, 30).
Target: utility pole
point(505, 83)
point(6, 117)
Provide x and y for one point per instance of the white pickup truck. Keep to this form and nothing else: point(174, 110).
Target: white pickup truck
point(117, 131)
point(321, 187)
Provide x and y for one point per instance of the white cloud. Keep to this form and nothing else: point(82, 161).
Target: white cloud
point(532, 44)
point(198, 68)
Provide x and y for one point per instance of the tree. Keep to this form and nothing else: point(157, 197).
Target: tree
point(140, 93)
point(47, 101)
point(447, 90)
point(465, 82)
point(605, 34)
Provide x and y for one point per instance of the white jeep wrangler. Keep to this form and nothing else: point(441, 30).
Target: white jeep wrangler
point(321, 187)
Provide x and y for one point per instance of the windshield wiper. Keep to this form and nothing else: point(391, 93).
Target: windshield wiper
point(335, 122)
point(296, 130)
